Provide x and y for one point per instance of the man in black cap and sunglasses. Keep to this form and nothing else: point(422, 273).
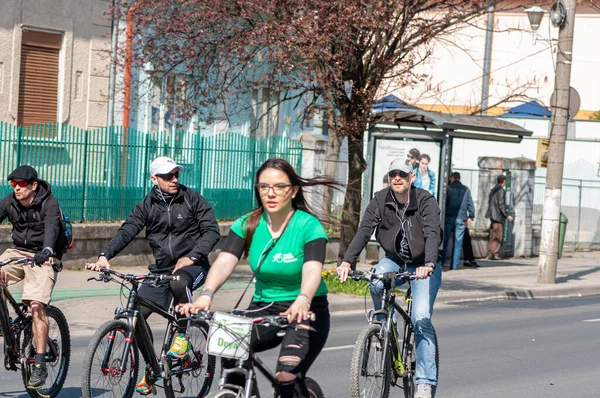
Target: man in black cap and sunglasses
point(36, 227)
point(406, 221)
point(182, 230)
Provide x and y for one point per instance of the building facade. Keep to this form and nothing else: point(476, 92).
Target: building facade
point(55, 62)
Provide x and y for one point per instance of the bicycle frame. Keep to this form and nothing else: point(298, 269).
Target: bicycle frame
point(139, 329)
point(388, 307)
point(13, 329)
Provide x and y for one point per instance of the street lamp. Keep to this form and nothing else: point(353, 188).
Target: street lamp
point(558, 17)
point(535, 15)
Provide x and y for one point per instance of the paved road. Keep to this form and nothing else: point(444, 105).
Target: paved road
point(537, 348)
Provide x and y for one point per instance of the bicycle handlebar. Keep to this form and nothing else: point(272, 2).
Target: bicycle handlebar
point(265, 320)
point(106, 275)
point(370, 275)
point(17, 260)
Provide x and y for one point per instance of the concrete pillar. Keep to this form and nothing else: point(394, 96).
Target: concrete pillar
point(521, 200)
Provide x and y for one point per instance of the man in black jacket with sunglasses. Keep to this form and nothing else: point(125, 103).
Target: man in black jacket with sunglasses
point(182, 230)
point(36, 227)
point(406, 222)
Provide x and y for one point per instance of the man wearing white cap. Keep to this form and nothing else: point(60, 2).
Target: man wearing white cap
point(407, 221)
point(182, 230)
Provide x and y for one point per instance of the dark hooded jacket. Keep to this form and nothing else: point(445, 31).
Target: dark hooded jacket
point(183, 225)
point(36, 226)
point(497, 204)
point(382, 216)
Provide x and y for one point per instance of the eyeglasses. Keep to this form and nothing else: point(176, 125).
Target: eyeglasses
point(393, 174)
point(22, 184)
point(278, 189)
point(168, 176)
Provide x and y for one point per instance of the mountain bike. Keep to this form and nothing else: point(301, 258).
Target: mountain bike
point(229, 337)
point(19, 342)
point(111, 364)
point(381, 355)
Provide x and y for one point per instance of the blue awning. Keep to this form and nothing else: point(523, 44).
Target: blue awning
point(389, 102)
point(530, 109)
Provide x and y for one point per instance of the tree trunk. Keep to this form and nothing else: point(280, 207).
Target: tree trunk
point(352, 201)
point(331, 163)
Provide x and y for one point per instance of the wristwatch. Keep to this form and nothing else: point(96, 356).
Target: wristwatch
point(430, 264)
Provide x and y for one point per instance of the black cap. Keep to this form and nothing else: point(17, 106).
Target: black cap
point(26, 173)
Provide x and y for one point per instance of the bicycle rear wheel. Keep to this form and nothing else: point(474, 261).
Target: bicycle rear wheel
point(409, 356)
point(370, 374)
point(58, 356)
point(192, 375)
point(102, 376)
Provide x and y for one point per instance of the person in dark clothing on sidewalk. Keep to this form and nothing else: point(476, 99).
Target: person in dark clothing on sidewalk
point(459, 211)
point(182, 230)
point(497, 214)
point(468, 255)
point(36, 227)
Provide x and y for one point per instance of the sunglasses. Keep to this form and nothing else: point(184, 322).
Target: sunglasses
point(394, 174)
point(168, 176)
point(22, 184)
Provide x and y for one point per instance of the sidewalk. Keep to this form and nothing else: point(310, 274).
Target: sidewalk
point(89, 304)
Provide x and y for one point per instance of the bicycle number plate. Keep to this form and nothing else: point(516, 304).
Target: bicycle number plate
point(229, 336)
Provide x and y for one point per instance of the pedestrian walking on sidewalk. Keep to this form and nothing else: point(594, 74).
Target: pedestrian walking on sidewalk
point(407, 221)
point(468, 255)
point(459, 212)
point(182, 230)
point(497, 214)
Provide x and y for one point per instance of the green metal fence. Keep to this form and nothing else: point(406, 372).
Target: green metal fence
point(99, 175)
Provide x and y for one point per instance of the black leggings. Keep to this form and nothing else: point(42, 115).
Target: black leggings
point(180, 290)
point(299, 346)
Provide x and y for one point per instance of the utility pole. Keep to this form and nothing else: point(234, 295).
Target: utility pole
point(487, 58)
point(556, 152)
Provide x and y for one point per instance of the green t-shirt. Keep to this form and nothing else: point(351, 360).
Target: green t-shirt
point(280, 276)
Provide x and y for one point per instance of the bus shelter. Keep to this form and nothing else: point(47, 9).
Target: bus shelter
point(394, 133)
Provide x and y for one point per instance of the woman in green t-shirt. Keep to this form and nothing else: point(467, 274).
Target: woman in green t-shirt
point(285, 246)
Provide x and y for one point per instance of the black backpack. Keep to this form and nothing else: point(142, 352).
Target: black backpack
point(68, 240)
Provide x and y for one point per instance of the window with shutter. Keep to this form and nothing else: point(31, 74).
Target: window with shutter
point(38, 82)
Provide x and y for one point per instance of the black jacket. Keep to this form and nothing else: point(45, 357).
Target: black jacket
point(185, 226)
point(497, 204)
point(424, 232)
point(36, 226)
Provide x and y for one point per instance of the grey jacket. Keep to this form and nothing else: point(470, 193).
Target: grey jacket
point(497, 204)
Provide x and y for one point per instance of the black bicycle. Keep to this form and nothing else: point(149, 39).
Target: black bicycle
point(111, 364)
point(230, 338)
point(19, 342)
point(381, 355)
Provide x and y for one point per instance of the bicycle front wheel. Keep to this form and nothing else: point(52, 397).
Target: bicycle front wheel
point(109, 371)
point(222, 394)
point(370, 373)
point(314, 389)
point(58, 356)
point(192, 375)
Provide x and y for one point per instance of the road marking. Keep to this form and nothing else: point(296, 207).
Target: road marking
point(341, 347)
point(591, 320)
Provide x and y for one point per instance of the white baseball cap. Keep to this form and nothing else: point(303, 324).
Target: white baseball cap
point(401, 164)
point(163, 165)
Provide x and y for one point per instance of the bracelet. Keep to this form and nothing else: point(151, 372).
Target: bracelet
point(305, 297)
point(207, 292)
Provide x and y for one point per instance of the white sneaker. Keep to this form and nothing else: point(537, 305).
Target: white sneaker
point(423, 391)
